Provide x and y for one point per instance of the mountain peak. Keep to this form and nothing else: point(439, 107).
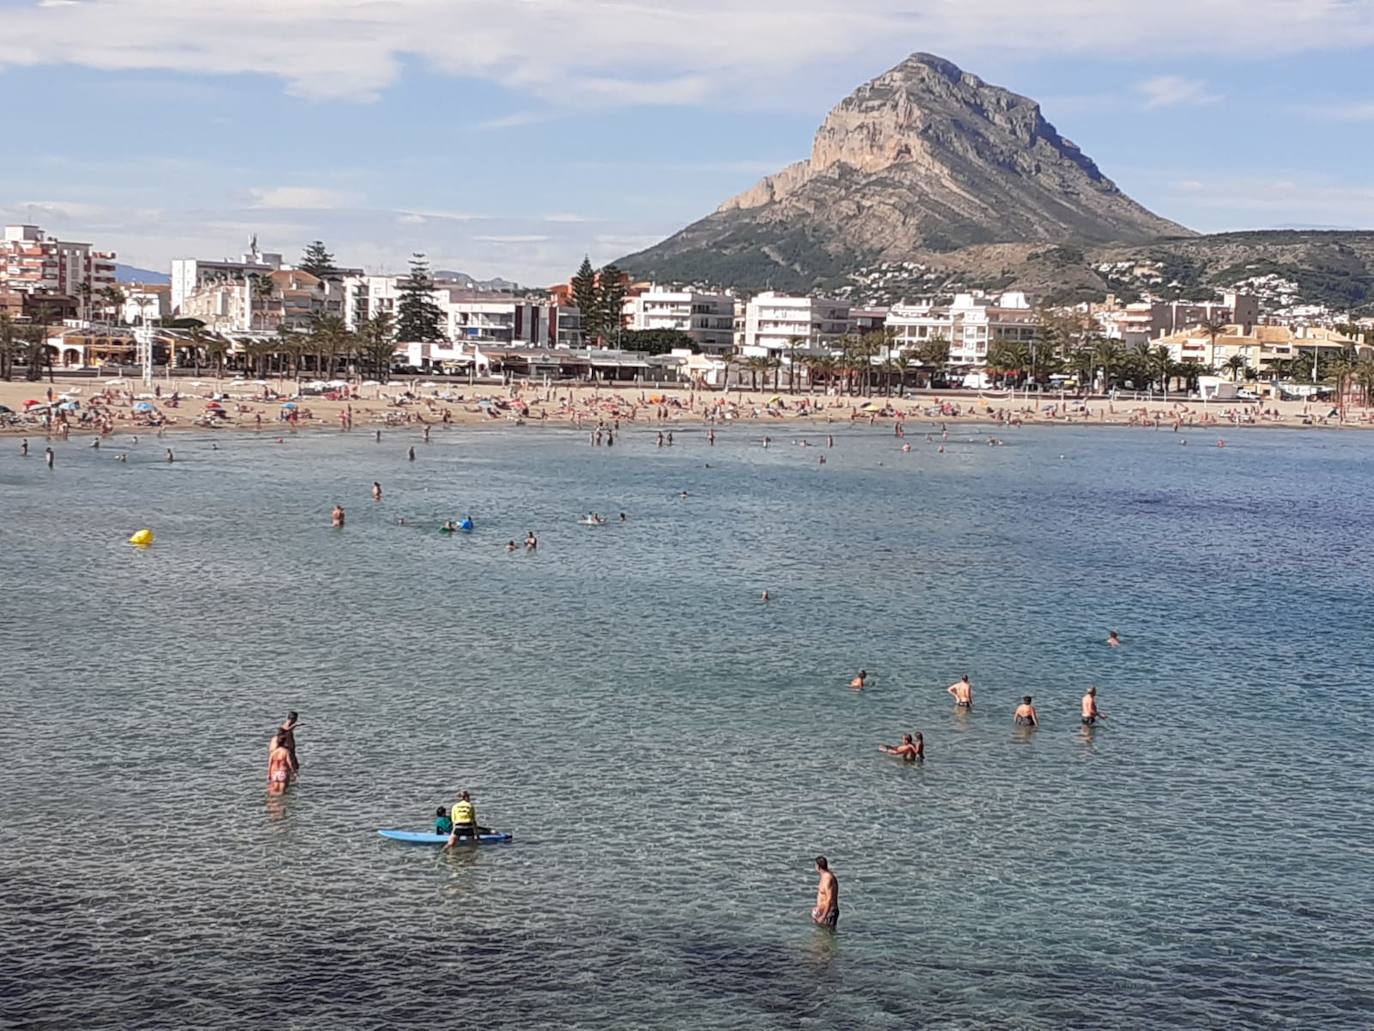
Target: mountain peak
point(924, 157)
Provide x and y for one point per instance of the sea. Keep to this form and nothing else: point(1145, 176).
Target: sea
point(670, 752)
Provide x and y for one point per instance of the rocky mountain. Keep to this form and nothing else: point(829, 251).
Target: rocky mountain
point(464, 281)
point(924, 160)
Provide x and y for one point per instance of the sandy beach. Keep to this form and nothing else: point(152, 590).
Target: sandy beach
point(112, 407)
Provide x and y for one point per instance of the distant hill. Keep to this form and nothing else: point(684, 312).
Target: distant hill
point(467, 282)
point(924, 160)
point(133, 274)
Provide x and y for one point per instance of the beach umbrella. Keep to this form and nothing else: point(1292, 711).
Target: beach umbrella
point(68, 406)
point(289, 404)
point(31, 402)
point(213, 405)
point(143, 406)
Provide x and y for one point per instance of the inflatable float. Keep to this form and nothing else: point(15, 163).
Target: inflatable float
point(142, 538)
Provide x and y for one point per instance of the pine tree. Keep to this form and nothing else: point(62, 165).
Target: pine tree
point(611, 301)
point(584, 295)
point(418, 318)
point(317, 260)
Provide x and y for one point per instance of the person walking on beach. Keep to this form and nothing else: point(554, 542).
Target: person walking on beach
point(962, 691)
point(1091, 713)
point(827, 911)
point(1025, 713)
point(337, 516)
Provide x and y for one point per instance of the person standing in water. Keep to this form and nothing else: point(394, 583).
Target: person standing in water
point(1113, 639)
point(24, 447)
point(910, 750)
point(376, 491)
point(860, 679)
point(48, 456)
point(278, 766)
point(827, 911)
point(1091, 713)
point(962, 691)
point(1025, 713)
point(337, 516)
point(286, 734)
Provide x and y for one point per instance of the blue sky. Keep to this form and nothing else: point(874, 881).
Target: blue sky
point(507, 137)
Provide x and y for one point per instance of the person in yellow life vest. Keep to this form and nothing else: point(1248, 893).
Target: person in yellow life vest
point(464, 820)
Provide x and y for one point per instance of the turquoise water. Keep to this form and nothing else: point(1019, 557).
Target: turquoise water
point(671, 753)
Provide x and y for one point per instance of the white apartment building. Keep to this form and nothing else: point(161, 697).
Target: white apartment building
point(190, 275)
point(709, 319)
point(1137, 323)
point(971, 322)
point(144, 303)
point(33, 262)
point(774, 323)
point(475, 316)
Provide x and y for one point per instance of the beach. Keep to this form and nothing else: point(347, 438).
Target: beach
point(228, 404)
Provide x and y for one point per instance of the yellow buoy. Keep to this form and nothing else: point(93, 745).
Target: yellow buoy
point(142, 539)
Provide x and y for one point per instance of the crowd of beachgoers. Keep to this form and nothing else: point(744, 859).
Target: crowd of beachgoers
point(108, 407)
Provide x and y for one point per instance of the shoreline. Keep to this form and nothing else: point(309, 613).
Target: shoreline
point(276, 407)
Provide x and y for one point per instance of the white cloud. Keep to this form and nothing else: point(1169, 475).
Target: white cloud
point(609, 52)
point(514, 121)
point(1173, 91)
point(512, 238)
point(570, 219)
point(1346, 112)
point(298, 198)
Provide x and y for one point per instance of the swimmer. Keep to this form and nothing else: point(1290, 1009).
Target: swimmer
point(1025, 713)
point(96, 443)
point(411, 454)
point(510, 546)
point(857, 683)
point(448, 527)
point(531, 541)
point(763, 596)
point(962, 691)
point(682, 494)
point(1113, 639)
point(24, 447)
point(622, 518)
point(214, 447)
point(376, 491)
point(170, 457)
point(48, 456)
point(827, 911)
point(121, 458)
point(906, 447)
point(910, 751)
point(336, 517)
point(1091, 713)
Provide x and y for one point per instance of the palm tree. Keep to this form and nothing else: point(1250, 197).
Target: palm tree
point(261, 285)
point(84, 292)
point(8, 337)
point(216, 350)
point(114, 299)
point(1235, 365)
point(1159, 362)
point(933, 355)
point(755, 365)
point(1107, 356)
point(792, 346)
point(376, 334)
point(328, 335)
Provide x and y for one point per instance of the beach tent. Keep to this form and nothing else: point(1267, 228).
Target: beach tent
point(289, 404)
point(144, 406)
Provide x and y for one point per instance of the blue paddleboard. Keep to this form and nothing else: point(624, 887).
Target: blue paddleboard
point(425, 838)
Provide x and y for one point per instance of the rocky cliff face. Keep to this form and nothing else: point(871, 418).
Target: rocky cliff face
point(924, 158)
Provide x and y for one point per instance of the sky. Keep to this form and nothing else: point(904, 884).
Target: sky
point(510, 137)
